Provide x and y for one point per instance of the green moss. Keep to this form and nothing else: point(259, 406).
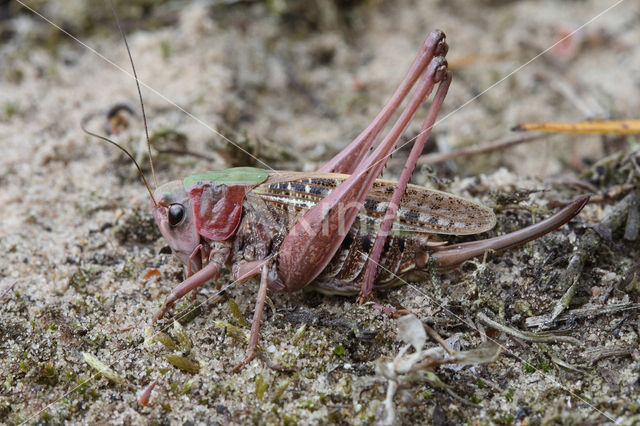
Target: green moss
point(47, 375)
point(306, 404)
point(426, 394)
point(507, 419)
point(10, 109)
point(46, 417)
point(81, 278)
point(277, 395)
point(165, 48)
point(179, 388)
point(509, 395)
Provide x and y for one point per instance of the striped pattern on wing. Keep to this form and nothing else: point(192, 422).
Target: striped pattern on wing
point(421, 210)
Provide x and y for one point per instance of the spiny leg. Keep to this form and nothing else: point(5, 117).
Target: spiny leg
point(211, 270)
point(366, 289)
point(317, 236)
point(217, 258)
point(347, 160)
point(257, 317)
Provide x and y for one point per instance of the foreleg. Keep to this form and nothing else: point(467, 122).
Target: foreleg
point(217, 258)
point(212, 270)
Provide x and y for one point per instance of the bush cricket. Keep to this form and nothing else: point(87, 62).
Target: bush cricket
point(339, 230)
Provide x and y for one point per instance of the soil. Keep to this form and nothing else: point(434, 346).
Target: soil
point(285, 84)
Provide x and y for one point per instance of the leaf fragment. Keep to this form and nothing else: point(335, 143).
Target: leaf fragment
point(235, 332)
point(183, 363)
point(166, 340)
point(182, 336)
point(102, 368)
point(235, 310)
point(299, 334)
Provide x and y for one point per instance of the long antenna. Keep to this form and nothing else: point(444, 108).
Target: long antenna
point(144, 116)
point(83, 125)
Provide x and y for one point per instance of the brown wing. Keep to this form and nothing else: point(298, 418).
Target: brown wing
point(421, 210)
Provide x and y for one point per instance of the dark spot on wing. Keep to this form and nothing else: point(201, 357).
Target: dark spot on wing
point(322, 182)
point(318, 190)
point(371, 205)
point(366, 243)
point(348, 240)
point(298, 187)
point(412, 215)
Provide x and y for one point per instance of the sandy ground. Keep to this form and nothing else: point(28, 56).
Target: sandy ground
point(292, 82)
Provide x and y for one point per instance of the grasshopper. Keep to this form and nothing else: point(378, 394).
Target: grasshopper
point(339, 230)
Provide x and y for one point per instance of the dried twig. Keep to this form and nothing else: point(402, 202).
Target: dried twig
point(7, 290)
point(524, 335)
point(599, 196)
point(587, 245)
point(583, 312)
point(435, 336)
point(502, 144)
point(566, 365)
point(633, 219)
point(596, 354)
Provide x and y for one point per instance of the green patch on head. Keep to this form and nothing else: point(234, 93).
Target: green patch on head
point(172, 191)
point(236, 175)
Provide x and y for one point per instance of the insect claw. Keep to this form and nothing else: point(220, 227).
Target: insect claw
point(250, 357)
point(441, 70)
point(364, 298)
point(443, 47)
point(452, 256)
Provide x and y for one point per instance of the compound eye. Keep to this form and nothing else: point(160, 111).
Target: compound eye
point(176, 213)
